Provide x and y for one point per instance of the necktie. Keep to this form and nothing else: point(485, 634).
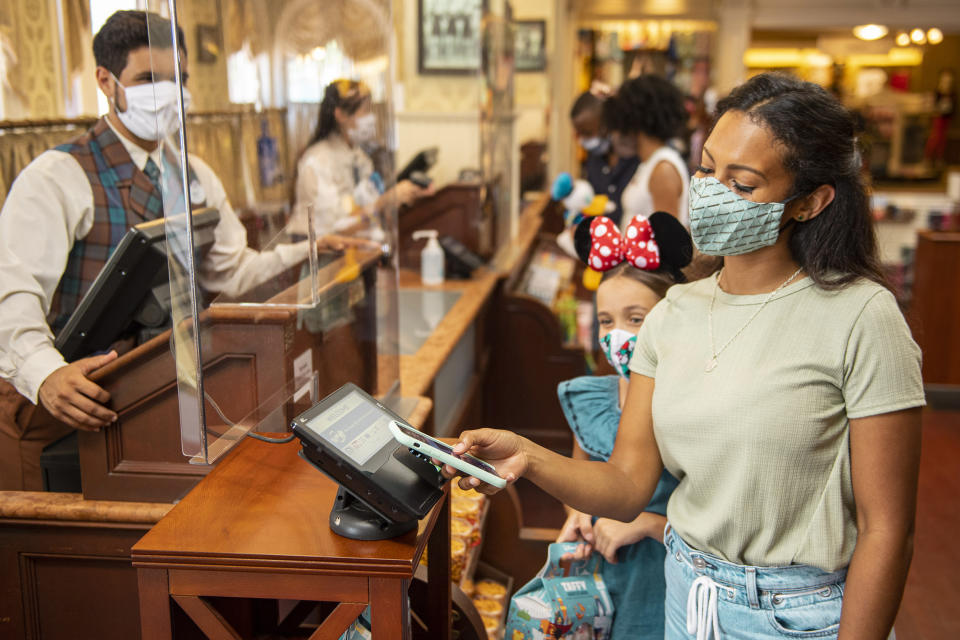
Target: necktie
point(153, 172)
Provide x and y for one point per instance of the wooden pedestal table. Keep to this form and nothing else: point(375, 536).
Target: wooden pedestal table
point(257, 527)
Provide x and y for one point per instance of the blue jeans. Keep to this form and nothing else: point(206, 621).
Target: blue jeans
point(726, 600)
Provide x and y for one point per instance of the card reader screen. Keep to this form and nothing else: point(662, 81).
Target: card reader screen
point(422, 437)
point(355, 426)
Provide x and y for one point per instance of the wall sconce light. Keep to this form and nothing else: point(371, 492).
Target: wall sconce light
point(870, 31)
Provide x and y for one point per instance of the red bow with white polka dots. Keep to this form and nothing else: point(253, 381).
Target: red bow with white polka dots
point(608, 248)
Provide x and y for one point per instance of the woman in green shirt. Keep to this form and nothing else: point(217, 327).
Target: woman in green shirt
point(783, 393)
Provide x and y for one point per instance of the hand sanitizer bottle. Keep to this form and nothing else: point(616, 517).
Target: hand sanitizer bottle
point(431, 258)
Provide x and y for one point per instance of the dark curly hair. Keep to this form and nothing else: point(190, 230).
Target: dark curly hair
point(648, 104)
point(125, 31)
point(818, 136)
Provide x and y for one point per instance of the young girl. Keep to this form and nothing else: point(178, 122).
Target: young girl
point(783, 393)
point(633, 550)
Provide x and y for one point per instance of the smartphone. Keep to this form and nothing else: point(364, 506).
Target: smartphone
point(434, 448)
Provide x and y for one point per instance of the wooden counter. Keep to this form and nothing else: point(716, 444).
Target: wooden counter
point(258, 527)
point(65, 561)
point(65, 565)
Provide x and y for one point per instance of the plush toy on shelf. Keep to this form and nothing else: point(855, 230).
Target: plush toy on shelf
point(579, 202)
point(578, 199)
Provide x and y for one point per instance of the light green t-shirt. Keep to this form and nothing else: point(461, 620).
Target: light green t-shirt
point(760, 444)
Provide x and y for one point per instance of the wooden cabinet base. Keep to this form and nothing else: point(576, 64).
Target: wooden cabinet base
point(56, 579)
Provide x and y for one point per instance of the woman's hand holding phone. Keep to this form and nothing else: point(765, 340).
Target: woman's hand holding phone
point(505, 450)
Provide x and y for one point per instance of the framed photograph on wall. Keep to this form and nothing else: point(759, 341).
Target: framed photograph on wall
point(530, 45)
point(208, 43)
point(450, 35)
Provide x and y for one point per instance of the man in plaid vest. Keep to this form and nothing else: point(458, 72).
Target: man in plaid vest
point(66, 213)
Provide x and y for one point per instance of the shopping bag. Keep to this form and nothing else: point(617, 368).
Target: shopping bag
point(568, 602)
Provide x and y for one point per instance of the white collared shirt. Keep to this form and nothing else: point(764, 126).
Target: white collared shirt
point(335, 179)
point(48, 208)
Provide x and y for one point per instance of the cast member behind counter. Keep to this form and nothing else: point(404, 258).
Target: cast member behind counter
point(336, 180)
point(783, 392)
point(65, 214)
point(644, 114)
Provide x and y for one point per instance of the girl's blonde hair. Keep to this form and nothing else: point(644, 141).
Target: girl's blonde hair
point(655, 281)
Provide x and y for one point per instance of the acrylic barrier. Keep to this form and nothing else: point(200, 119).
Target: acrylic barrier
point(258, 334)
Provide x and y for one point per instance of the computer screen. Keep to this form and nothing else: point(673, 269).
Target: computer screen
point(354, 426)
point(135, 271)
point(420, 163)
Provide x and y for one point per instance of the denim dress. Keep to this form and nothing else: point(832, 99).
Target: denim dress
point(636, 583)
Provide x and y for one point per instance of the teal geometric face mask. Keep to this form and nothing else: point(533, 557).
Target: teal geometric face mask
point(724, 224)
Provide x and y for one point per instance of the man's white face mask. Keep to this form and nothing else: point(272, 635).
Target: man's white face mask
point(151, 112)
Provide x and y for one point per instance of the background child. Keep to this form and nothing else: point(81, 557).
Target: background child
point(633, 551)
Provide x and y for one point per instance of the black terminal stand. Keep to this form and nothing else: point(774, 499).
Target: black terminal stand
point(352, 518)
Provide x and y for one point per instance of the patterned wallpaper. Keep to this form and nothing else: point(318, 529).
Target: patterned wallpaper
point(208, 81)
point(30, 26)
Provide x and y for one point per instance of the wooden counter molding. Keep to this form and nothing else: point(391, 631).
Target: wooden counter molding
point(418, 371)
point(71, 507)
point(507, 257)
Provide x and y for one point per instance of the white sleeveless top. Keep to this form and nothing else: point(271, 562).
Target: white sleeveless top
point(636, 198)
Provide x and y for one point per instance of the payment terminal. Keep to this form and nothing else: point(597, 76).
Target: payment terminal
point(385, 488)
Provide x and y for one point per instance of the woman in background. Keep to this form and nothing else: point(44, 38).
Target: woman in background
point(644, 115)
point(335, 175)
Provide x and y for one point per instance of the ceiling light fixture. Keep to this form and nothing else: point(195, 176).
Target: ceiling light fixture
point(918, 36)
point(903, 38)
point(934, 36)
point(870, 31)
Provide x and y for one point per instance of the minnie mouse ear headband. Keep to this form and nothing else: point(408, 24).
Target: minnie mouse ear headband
point(659, 244)
point(349, 89)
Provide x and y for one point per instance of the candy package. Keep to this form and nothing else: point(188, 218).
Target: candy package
point(569, 602)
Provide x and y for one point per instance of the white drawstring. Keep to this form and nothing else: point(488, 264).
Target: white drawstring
point(702, 609)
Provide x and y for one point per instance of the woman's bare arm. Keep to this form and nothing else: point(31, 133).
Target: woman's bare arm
point(618, 489)
point(884, 464)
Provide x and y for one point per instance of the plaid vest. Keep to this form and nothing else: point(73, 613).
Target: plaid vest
point(123, 196)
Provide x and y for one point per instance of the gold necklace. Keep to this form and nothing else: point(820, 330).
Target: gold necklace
point(713, 361)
